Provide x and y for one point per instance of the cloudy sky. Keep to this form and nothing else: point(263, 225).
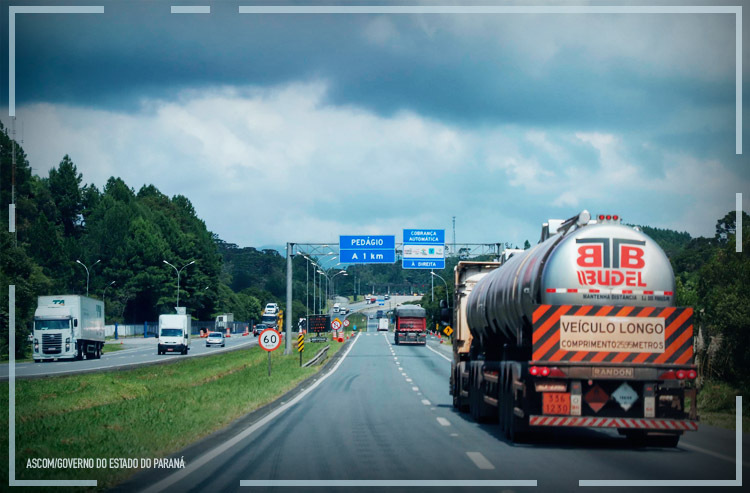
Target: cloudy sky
point(304, 127)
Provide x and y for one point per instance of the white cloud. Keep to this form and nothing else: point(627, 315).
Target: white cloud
point(276, 165)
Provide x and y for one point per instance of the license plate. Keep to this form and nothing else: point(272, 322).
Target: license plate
point(556, 403)
point(169, 349)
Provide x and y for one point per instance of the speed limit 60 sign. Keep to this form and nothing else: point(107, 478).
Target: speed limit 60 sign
point(269, 339)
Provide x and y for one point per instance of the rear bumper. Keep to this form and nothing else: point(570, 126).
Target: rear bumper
point(172, 348)
point(409, 337)
point(620, 423)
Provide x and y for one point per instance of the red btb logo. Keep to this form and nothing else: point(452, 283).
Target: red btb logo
point(595, 253)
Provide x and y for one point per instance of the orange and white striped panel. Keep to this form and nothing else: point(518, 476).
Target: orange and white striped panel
point(678, 335)
point(625, 423)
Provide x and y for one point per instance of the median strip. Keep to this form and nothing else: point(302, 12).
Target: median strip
point(134, 413)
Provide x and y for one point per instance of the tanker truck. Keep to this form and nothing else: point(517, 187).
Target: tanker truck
point(580, 330)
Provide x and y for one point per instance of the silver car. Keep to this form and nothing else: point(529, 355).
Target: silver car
point(215, 339)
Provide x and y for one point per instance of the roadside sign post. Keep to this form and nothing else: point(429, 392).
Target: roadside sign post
point(300, 346)
point(269, 340)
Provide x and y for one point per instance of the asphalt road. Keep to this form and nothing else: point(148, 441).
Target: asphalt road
point(384, 414)
point(140, 351)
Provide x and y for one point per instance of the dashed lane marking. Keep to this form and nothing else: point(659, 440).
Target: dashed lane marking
point(426, 402)
point(479, 460)
point(443, 421)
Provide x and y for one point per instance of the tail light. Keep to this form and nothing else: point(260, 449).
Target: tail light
point(544, 371)
point(681, 374)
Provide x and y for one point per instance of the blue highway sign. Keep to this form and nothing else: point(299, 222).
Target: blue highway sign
point(367, 249)
point(423, 264)
point(368, 256)
point(424, 249)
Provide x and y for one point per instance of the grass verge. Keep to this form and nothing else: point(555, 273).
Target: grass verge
point(146, 412)
point(111, 348)
point(717, 406)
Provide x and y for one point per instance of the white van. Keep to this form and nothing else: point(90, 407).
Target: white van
point(174, 334)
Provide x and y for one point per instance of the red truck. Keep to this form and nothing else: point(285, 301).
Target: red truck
point(410, 325)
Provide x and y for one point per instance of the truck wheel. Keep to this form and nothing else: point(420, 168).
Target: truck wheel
point(37, 361)
point(99, 348)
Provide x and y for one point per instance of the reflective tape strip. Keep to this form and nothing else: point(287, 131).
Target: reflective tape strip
point(627, 423)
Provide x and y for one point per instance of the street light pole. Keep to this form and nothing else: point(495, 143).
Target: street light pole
point(87, 274)
point(178, 277)
point(104, 296)
point(447, 304)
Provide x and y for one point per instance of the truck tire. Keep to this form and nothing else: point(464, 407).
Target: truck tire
point(80, 352)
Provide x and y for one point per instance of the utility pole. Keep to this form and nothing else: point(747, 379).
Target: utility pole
point(454, 234)
point(13, 188)
point(288, 316)
point(432, 285)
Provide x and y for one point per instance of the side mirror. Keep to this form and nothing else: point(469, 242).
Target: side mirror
point(446, 314)
point(75, 322)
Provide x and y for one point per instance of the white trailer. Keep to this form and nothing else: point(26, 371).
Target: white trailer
point(223, 321)
point(174, 334)
point(68, 326)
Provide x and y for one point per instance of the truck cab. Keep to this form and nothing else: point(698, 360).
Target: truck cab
point(68, 327)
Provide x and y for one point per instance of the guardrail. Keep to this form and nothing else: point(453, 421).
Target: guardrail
point(322, 354)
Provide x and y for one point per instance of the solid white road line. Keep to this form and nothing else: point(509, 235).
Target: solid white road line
point(711, 453)
point(479, 460)
point(441, 355)
point(443, 421)
point(210, 455)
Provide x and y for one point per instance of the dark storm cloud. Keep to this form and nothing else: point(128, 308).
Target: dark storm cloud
point(138, 49)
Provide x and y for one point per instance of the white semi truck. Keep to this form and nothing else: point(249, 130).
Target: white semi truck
point(68, 326)
point(174, 333)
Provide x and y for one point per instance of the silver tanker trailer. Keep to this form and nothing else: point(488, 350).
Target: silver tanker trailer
point(580, 330)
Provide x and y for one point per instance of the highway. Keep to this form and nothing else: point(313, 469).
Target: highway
point(383, 414)
point(143, 351)
point(139, 351)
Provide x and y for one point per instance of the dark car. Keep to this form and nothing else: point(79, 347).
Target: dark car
point(257, 329)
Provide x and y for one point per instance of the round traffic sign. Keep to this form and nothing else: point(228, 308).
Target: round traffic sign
point(269, 339)
point(336, 324)
point(346, 323)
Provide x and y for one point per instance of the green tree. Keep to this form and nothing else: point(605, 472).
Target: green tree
point(65, 186)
